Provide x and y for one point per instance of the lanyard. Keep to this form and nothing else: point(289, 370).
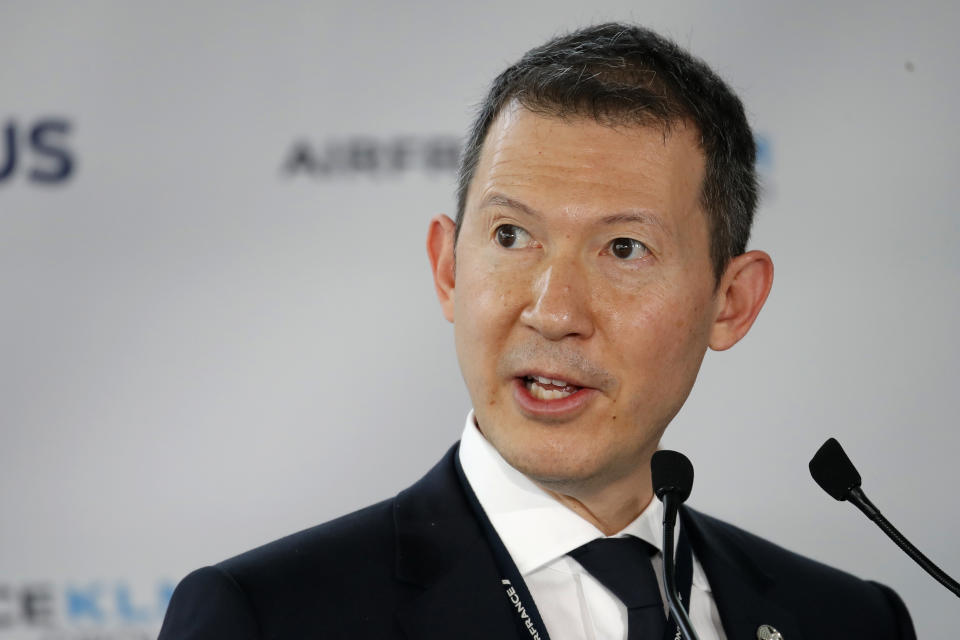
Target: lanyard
point(527, 615)
point(530, 624)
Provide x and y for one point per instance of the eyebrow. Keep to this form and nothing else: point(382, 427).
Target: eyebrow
point(500, 200)
point(643, 217)
point(636, 216)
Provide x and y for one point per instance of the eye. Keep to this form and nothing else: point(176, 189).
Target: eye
point(510, 235)
point(628, 248)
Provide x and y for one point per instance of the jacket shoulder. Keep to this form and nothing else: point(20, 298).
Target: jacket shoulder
point(827, 601)
point(778, 563)
point(310, 579)
point(208, 603)
point(304, 583)
point(341, 579)
point(366, 533)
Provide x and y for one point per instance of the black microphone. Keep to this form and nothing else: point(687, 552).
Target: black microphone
point(833, 471)
point(672, 476)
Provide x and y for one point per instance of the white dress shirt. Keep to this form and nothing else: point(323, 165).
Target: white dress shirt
point(538, 532)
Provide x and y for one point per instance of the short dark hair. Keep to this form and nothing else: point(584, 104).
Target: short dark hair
point(624, 74)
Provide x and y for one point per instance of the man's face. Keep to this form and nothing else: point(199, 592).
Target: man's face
point(584, 292)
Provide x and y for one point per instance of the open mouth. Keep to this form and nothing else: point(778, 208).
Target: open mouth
point(543, 388)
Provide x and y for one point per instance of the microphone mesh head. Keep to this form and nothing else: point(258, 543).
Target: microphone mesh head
point(833, 471)
point(671, 471)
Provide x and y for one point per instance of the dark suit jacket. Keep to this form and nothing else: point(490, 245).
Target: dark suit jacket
point(418, 567)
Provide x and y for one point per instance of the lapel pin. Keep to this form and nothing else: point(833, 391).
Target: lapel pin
point(766, 632)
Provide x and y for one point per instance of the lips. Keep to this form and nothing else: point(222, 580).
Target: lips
point(547, 397)
point(543, 388)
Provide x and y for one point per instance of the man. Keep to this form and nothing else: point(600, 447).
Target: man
point(605, 202)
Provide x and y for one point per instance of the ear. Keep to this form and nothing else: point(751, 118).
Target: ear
point(743, 290)
point(440, 239)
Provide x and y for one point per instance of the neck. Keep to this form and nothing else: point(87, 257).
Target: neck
point(610, 508)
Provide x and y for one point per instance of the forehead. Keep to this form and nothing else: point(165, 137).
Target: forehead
point(580, 167)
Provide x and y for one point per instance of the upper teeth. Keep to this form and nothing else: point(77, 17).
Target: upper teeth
point(556, 383)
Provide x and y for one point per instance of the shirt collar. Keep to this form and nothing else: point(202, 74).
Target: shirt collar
point(535, 528)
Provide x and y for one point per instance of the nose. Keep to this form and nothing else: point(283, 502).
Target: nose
point(560, 303)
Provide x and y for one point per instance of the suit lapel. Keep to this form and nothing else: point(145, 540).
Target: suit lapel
point(742, 590)
point(441, 548)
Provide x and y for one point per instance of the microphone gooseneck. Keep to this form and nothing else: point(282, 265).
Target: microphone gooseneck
point(672, 476)
point(833, 471)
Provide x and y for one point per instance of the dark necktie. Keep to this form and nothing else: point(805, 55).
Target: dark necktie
point(623, 566)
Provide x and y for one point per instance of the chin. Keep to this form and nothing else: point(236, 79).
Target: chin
point(556, 466)
point(552, 472)
point(574, 462)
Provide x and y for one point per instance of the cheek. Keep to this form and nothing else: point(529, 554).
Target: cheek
point(480, 307)
point(658, 332)
point(490, 286)
point(484, 316)
point(485, 310)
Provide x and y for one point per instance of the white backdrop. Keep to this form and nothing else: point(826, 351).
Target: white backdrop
point(218, 325)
